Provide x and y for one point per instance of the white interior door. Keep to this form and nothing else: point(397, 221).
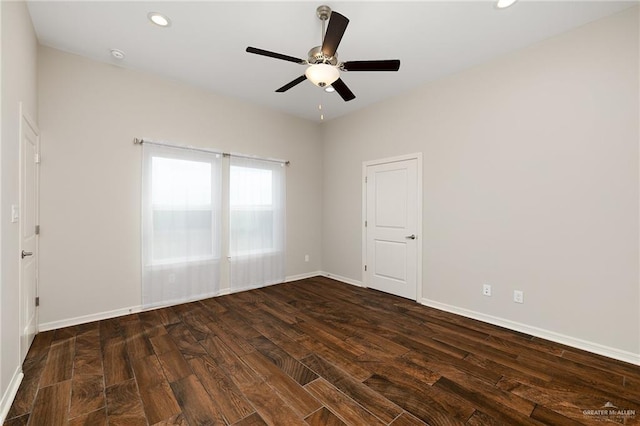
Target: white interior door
point(392, 225)
point(29, 151)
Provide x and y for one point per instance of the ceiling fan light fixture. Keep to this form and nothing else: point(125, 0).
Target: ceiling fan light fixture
point(329, 89)
point(503, 4)
point(322, 75)
point(159, 19)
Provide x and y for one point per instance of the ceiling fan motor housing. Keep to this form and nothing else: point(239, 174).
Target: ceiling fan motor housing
point(317, 57)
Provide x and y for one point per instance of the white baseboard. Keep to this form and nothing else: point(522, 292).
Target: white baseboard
point(596, 348)
point(302, 276)
point(341, 278)
point(53, 325)
point(10, 394)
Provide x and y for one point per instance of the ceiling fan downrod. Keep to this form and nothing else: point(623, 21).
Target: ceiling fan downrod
point(323, 12)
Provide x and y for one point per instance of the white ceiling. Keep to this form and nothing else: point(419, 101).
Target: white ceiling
point(205, 45)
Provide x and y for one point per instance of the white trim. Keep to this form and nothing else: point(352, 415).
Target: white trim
point(342, 279)
point(415, 156)
point(575, 342)
point(304, 276)
point(10, 394)
point(53, 325)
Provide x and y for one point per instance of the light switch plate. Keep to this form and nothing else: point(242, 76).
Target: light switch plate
point(15, 213)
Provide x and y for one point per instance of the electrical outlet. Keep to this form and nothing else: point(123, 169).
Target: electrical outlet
point(518, 296)
point(306, 257)
point(486, 289)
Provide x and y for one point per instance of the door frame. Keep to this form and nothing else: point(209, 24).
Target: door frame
point(26, 120)
point(365, 164)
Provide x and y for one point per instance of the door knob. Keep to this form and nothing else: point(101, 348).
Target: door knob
point(411, 237)
point(26, 253)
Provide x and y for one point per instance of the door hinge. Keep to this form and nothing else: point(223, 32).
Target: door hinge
point(36, 158)
point(38, 301)
point(366, 179)
point(365, 223)
point(365, 268)
point(37, 229)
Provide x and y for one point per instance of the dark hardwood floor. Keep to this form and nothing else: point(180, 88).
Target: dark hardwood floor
point(314, 352)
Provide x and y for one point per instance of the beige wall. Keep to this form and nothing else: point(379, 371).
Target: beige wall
point(19, 49)
point(530, 182)
point(90, 174)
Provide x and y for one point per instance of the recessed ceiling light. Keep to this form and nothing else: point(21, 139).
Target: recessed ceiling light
point(329, 89)
point(159, 19)
point(117, 53)
point(503, 4)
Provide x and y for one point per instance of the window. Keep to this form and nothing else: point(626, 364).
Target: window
point(252, 211)
point(256, 222)
point(181, 225)
point(182, 221)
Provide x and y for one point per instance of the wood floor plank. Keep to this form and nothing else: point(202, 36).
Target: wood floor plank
point(252, 420)
point(51, 405)
point(17, 421)
point(184, 340)
point(285, 362)
point(375, 403)
point(271, 408)
point(40, 346)
point(177, 420)
point(511, 368)
point(346, 408)
point(279, 335)
point(95, 418)
point(289, 390)
point(87, 394)
point(562, 398)
point(603, 363)
point(197, 406)
point(163, 343)
point(453, 368)
point(124, 406)
point(323, 417)
point(337, 342)
point(88, 356)
point(426, 403)
point(231, 338)
point(550, 417)
point(59, 364)
point(174, 365)
point(23, 402)
point(197, 324)
point(152, 324)
point(167, 316)
point(229, 400)
point(117, 368)
point(485, 403)
point(157, 398)
point(406, 419)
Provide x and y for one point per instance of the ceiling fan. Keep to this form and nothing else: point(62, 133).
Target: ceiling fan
point(323, 66)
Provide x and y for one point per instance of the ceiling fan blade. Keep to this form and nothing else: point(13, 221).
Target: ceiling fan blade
point(292, 83)
point(384, 65)
point(337, 25)
point(275, 55)
point(342, 89)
